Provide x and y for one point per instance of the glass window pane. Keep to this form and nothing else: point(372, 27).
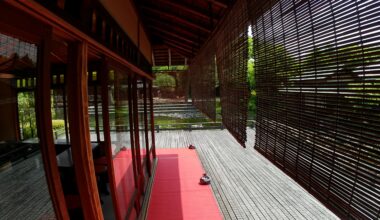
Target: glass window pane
point(120, 139)
point(23, 187)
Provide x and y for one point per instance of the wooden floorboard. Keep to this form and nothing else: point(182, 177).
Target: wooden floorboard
point(23, 191)
point(245, 184)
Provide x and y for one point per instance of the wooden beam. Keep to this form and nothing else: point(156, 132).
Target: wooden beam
point(218, 3)
point(131, 131)
point(174, 35)
point(153, 147)
point(164, 37)
point(61, 4)
point(172, 26)
point(170, 57)
point(180, 51)
point(146, 129)
point(140, 174)
point(175, 46)
point(43, 14)
point(153, 60)
point(80, 133)
point(179, 45)
point(187, 9)
point(177, 19)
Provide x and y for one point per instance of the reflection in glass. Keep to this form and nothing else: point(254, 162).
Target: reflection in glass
point(22, 177)
point(120, 139)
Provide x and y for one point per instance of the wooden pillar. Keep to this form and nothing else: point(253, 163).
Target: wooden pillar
point(65, 113)
point(169, 57)
point(131, 129)
point(44, 125)
point(103, 74)
point(97, 130)
point(140, 174)
point(152, 120)
point(146, 129)
point(80, 133)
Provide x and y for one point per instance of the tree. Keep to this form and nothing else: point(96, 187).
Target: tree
point(164, 80)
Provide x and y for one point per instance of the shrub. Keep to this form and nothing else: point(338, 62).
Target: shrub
point(58, 124)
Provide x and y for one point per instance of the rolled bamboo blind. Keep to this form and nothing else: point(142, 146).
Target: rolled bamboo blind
point(232, 59)
point(317, 66)
point(202, 81)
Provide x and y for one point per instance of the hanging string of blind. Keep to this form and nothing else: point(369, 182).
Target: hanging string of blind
point(317, 67)
point(225, 55)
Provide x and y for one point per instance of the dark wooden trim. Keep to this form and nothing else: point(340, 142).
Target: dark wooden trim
point(176, 18)
point(131, 129)
point(188, 9)
point(146, 133)
point(184, 31)
point(68, 30)
point(44, 126)
point(140, 174)
point(175, 36)
point(182, 51)
point(103, 74)
point(64, 99)
point(176, 43)
point(25, 27)
point(148, 193)
point(80, 132)
point(97, 130)
point(153, 147)
point(218, 3)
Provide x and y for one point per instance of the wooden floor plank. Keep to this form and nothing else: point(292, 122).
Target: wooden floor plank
point(245, 184)
point(23, 191)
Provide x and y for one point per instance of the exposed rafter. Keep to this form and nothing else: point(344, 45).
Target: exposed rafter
point(153, 60)
point(174, 27)
point(185, 52)
point(188, 9)
point(175, 36)
point(176, 18)
point(218, 3)
point(182, 25)
point(184, 46)
point(179, 51)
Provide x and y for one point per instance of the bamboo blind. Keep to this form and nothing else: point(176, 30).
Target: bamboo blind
point(317, 66)
point(202, 81)
point(232, 57)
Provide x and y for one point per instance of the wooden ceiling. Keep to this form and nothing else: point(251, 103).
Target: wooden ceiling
point(181, 25)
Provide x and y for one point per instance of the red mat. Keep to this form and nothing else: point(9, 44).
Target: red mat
point(176, 192)
point(125, 185)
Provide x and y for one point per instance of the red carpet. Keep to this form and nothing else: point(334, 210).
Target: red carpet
point(176, 192)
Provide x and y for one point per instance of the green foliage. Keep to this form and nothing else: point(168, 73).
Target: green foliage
point(352, 59)
point(169, 68)
point(164, 80)
point(27, 115)
point(251, 74)
point(58, 124)
point(251, 80)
